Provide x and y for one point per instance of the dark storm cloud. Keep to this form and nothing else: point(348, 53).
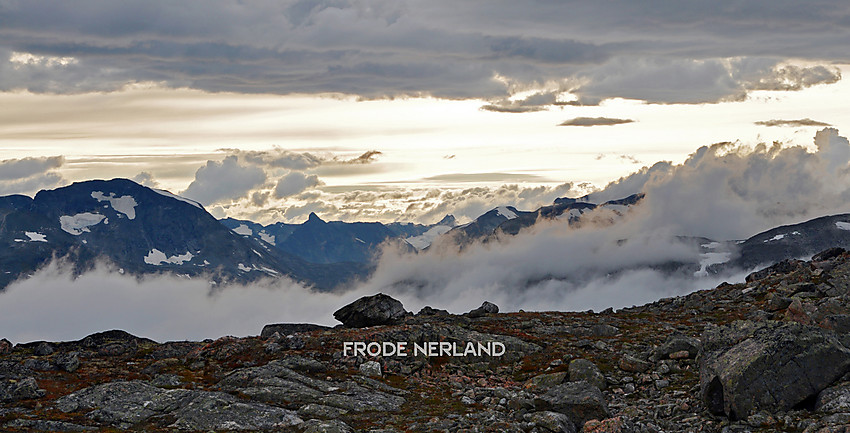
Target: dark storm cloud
point(690, 52)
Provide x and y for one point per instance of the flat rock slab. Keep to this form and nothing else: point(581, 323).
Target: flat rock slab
point(123, 404)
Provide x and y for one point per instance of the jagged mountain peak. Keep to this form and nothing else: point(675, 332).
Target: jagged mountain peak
point(313, 218)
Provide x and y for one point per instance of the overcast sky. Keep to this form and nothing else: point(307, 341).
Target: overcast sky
point(404, 110)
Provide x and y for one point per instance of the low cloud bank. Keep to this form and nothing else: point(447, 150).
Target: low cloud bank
point(725, 191)
point(53, 306)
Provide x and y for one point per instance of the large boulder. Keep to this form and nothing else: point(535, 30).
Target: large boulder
point(580, 401)
point(485, 309)
point(374, 310)
point(582, 369)
point(677, 343)
point(20, 389)
point(774, 366)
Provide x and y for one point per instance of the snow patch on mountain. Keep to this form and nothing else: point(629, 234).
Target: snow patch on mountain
point(156, 257)
point(125, 204)
point(776, 238)
point(79, 223)
point(842, 225)
point(427, 238)
point(505, 212)
point(570, 215)
point(36, 237)
point(177, 197)
point(267, 237)
point(243, 230)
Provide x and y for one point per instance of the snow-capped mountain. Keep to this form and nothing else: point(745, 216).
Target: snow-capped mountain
point(508, 220)
point(320, 241)
point(141, 230)
point(793, 241)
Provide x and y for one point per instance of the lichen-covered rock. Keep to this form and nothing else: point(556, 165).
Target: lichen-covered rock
point(551, 422)
point(371, 369)
point(20, 389)
point(374, 310)
point(582, 369)
point(69, 362)
point(678, 343)
point(545, 381)
point(46, 426)
point(835, 399)
point(123, 404)
point(773, 366)
point(485, 309)
point(633, 364)
point(330, 426)
point(580, 401)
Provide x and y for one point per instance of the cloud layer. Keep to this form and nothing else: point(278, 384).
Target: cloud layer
point(377, 48)
point(29, 175)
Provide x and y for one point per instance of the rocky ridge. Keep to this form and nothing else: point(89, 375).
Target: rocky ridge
point(770, 354)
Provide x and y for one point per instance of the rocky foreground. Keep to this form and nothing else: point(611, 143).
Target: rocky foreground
point(772, 354)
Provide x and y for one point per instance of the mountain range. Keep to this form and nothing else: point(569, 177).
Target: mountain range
point(140, 230)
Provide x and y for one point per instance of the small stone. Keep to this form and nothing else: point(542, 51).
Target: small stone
point(662, 383)
point(467, 400)
point(551, 421)
point(5, 347)
point(371, 369)
point(633, 365)
point(682, 354)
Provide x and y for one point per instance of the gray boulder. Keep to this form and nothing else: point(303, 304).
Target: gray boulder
point(773, 366)
point(580, 401)
point(371, 369)
point(43, 349)
point(835, 399)
point(374, 310)
point(678, 343)
point(485, 309)
point(21, 389)
point(69, 362)
point(582, 369)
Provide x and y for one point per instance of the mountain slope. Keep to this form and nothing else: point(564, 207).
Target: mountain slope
point(800, 240)
point(141, 231)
